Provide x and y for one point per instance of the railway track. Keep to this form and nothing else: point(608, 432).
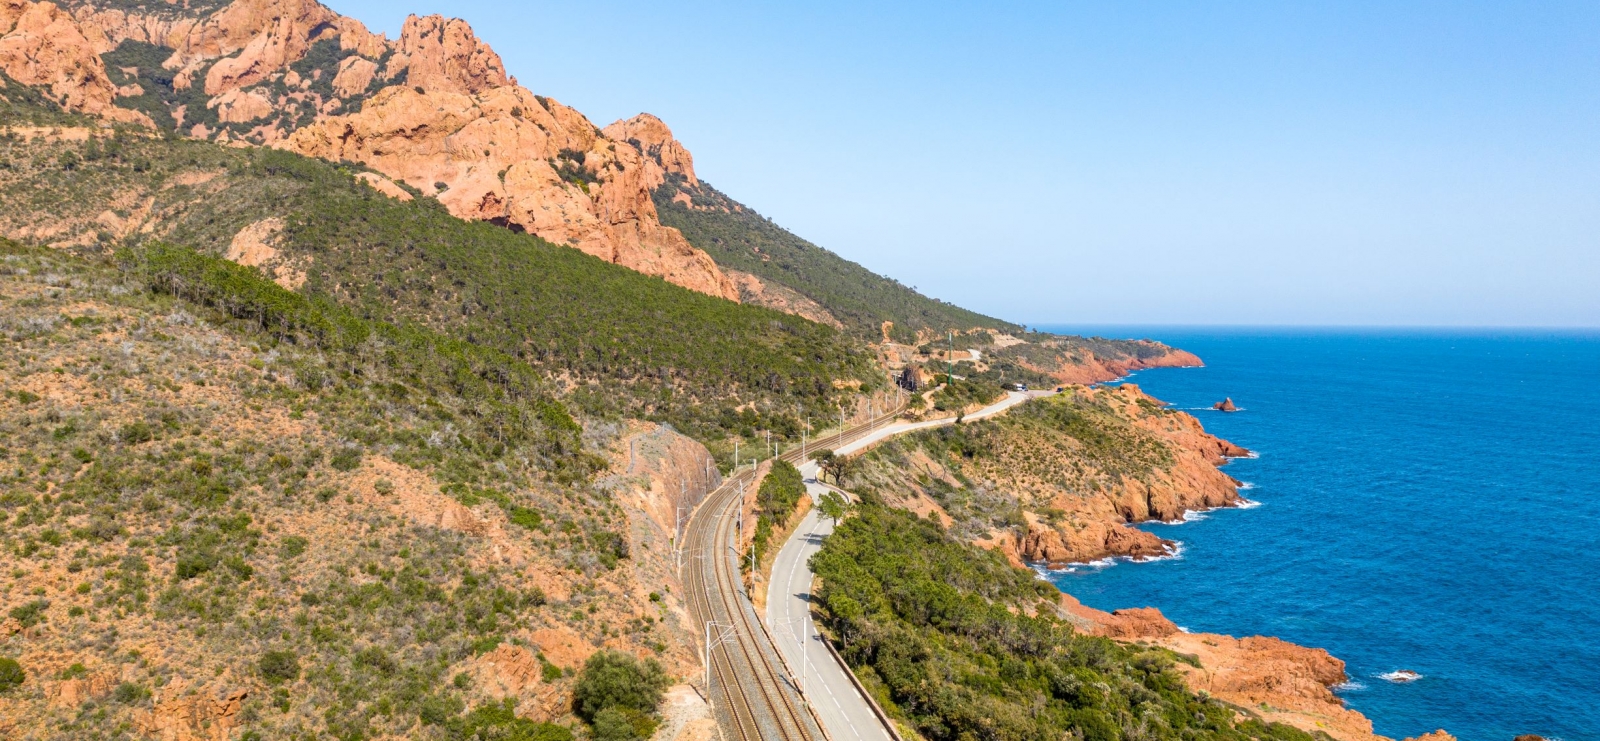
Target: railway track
point(752, 693)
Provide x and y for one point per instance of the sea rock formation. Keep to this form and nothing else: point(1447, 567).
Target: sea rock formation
point(1226, 405)
point(1278, 680)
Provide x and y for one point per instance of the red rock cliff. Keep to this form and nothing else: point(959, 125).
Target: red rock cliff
point(435, 109)
point(41, 45)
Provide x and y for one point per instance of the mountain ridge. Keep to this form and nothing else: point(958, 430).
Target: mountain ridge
point(435, 112)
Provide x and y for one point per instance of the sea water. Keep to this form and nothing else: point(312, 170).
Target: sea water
point(1429, 501)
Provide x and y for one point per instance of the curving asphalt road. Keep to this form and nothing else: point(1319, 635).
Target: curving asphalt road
point(841, 709)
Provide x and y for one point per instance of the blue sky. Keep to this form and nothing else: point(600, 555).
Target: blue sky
point(1237, 163)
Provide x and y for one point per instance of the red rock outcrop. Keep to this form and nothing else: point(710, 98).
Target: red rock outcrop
point(181, 716)
point(1076, 505)
point(445, 118)
point(269, 34)
point(529, 163)
point(70, 693)
point(663, 154)
point(1097, 525)
point(41, 45)
point(1087, 368)
point(444, 54)
point(1277, 680)
point(1226, 405)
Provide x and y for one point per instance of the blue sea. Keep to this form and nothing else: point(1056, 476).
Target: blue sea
point(1430, 501)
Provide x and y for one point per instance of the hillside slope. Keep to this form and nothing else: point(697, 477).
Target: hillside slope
point(244, 518)
point(434, 110)
point(616, 342)
point(740, 239)
point(435, 113)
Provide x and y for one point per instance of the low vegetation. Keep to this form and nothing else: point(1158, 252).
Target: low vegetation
point(961, 394)
point(959, 644)
point(616, 343)
point(11, 674)
point(215, 483)
point(776, 500)
point(983, 474)
point(741, 239)
point(618, 695)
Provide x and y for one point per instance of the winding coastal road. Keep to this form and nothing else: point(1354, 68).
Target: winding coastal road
point(782, 684)
point(839, 704)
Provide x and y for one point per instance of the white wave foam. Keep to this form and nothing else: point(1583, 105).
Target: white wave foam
point(1349, 685)
point(1174, 552)
point(1246, 486)
point(1248, 504)
point(1400, 676)
point(1189, 515)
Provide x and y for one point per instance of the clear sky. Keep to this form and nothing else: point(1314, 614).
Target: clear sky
point(1122, 162)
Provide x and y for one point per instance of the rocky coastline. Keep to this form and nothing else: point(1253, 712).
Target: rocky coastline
point(1262, 676)
point(1081, 470)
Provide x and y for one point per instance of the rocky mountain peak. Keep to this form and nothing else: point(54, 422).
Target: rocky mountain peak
point(663, 153)
point(434, 109)
point(443, 53)
point(268, 34)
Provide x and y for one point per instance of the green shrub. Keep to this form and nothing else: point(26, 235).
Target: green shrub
point(277, 667)
point(958, 394)
point(30, 614)
point(525, 517)
point(129, 693)
point(780, 491)
point(292, 546)
point(964, 645)
point(612, 679)
point(347, 459)
point(135, 433)
point(11, 674)
point(621, 724)
point(194, 563)
point(499, 722)
point(436, 710)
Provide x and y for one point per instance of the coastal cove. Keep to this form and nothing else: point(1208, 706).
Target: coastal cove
point(1429, 501)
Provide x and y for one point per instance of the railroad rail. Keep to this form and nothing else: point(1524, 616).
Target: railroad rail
point(752, 694)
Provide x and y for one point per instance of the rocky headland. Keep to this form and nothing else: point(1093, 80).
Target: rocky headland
point(1061, 481)
point(1261, 676)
